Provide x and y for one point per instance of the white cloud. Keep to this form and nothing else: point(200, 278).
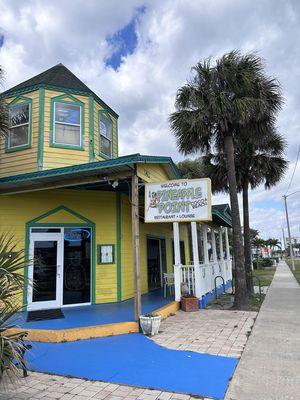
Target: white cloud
point(172, 36)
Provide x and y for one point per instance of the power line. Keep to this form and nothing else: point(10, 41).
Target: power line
point(288, 195)
point(293, 171)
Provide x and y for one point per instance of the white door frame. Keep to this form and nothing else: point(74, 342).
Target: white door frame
point(38, 305)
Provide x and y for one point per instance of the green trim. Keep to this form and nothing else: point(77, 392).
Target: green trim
point(14, 103)
point(72, 100)
point(60, 208)
point(62, 89)
point(99, 252)
point(124, 161)
point(27, 243)
point(87, 223)
point(91, 129)
point(117, 136)
point(40, 155)
point(106, 114)
point(119, 244)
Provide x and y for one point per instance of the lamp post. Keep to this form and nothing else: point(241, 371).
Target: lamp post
point(289, 232)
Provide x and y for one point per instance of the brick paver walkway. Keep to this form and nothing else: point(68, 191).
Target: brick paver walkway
point(207, 331)
point(220, 332)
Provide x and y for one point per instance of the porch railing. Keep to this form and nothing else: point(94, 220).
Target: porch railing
point(200, 280)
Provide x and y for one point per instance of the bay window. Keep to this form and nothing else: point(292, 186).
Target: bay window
point(19, 127)
point(67, 125)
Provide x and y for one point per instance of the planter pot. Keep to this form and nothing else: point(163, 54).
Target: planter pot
point(190, 304)
point(150, 324)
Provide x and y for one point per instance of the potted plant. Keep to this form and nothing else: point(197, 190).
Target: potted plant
point(150, 323)
point(189, 303)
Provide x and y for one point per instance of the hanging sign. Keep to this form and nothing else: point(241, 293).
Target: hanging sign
point(178, 201)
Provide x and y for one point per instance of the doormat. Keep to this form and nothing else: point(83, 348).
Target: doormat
point(41, 315)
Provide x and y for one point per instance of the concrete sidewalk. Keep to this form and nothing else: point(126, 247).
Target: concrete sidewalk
point(270, 365)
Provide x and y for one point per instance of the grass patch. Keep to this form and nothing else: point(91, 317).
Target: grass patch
point(297, 270)
point(265, 276)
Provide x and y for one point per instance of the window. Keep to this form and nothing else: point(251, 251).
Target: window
point(67, 124)
point(19, 126)
point(105, 135)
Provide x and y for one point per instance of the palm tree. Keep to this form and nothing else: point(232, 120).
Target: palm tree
point(3, 109)
point(192, 169)
point(209, 108)
point(12, 282)
point(272, 243)
point(257, 162)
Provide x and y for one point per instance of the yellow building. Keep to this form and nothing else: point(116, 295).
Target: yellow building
point(66, 196)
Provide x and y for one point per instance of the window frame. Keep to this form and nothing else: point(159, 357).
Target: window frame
point(28, 145)
point(78, 103)
point(100, 153)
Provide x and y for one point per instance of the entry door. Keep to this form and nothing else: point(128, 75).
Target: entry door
point(45, 271)
point(156, 255)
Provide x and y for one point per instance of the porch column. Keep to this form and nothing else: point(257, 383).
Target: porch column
point(197, 274)
point(205, 244)
point(207, 269)
point(227, 245)
point(221, 254)
point(214, 247)
point(177, 280)
point(136, 245)
point(221, 244)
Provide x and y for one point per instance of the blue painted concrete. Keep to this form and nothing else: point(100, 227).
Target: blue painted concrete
point(208, 297)
point(97, 314)
point(136, 360)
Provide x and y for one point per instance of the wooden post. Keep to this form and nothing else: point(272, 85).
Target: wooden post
point(136, 245)
point(177, 261)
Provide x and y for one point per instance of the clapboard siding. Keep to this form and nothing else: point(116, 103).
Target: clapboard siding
point(25, 160)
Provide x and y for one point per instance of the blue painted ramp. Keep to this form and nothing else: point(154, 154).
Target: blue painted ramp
point(135, 360)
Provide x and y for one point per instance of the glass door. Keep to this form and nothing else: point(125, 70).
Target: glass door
point(45, 271)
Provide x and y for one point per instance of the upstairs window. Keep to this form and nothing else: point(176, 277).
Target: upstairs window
point(105, 135)
point(19, 127)
point(67, 125)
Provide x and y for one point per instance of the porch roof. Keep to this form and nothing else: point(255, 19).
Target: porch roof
point(221, 215)
point(83, 173)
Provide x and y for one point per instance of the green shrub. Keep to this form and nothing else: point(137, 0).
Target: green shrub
point(262, 263)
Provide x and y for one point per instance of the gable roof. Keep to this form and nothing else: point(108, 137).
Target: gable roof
point(59, 77)
point(221, 215)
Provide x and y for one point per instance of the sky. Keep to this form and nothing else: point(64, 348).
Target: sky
point(136, 54)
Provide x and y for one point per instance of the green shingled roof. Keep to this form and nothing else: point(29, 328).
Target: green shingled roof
point(221, 215)
point(58, 77)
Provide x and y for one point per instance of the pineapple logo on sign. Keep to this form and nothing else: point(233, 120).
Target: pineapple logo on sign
point(182, 200)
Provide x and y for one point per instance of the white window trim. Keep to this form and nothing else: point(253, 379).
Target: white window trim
point(64, 123)
point(16, 126)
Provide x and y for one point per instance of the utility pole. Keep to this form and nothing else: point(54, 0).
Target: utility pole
point(289, 232)
point(283, 235)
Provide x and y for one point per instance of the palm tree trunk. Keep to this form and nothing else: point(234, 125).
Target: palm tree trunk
point(240, 298)
point(247, 241)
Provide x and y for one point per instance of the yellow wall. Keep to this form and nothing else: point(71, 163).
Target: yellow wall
point(99, 207)
point(22, 161)
point(152, 172)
